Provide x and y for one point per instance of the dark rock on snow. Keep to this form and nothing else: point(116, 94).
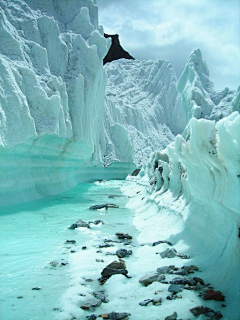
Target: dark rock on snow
point(91, 304)
point(101, 296)
point(165, 269)
point(172, 316)
point(121, 253)
point(116, 51)
point(96, 222)
point(151, 277)
point(79, 224)
point(115, 315)
point(169, 253)
point(206, 311)
point(183, 281)
point(135, 172)
point(214, 295)
point(123, 236)
point(70, 241)
point(92, 317)
point(115, 267)
point(106, 205)
point(145, 302)
point(175, 288)
point(161, 241)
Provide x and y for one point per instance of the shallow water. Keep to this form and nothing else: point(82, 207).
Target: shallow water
point(33, 235)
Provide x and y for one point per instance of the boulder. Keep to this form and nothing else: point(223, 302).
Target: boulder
point(151, 277)
point(79, 224)
point(172, 316)
point(214, 295)
point(169, 253)
point(197, 311)
point(123, 236)
point(115, 315)
point(165, 269)
point(183, 281)
point(121, 253)
point(115, 267)
point(175, 288)
point(91, 304)
point(161, 241)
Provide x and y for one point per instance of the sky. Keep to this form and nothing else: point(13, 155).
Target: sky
point(171, 29)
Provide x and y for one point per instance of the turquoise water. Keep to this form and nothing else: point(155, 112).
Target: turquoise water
point(33, 235)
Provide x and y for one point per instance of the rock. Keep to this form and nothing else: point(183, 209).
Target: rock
point(183, 280)
point(53, 263)
point(204, 310)
point(116, 51)
point(175, 288)
point(169, 253)
point(115, 315)
point(199, 280)
point(181, 272)
point(91, 304)
point(161, 241)
point(70, 241)
point(172, 316)
point(123, 236)
point(99, 260)
point(214, 295)
point(115, 267)
point(190, 269)
point(157, 302)
point(151, 277)
point(20, 297)
point(126, 242)
point(96, 222)
point(79, 224)
point(101, 206)
point(135, 172)
point(36, 288)
point(145, 302)
point(105, 245)
point(84, 248)
point(92, 317)
point(100, 295)
point(183, 256)
point(121, 253)
point(165, 269)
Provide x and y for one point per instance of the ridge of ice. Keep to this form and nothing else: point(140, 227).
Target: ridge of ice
point(197, 180)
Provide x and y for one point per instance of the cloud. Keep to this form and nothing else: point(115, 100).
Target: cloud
point(152, 29)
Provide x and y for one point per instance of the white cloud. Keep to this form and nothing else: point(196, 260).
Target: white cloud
point(160, 29)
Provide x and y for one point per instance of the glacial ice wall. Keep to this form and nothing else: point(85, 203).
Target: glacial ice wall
point(147, 106)
point(51, 94)
point(198, 180)
point(142, 107)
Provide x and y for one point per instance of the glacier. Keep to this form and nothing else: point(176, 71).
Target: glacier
point(65, 119)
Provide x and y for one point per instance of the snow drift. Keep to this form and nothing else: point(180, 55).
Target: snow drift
point(195, 185)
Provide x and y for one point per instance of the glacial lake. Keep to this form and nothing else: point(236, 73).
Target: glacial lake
point(35, 255)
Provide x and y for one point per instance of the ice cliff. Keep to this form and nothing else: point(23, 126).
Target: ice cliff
point(51, 95)
point(58, 124)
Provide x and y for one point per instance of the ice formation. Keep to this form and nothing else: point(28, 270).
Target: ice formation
point(56, 129)
point(197, 180)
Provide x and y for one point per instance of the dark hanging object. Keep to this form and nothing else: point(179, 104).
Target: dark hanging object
point(116, 51)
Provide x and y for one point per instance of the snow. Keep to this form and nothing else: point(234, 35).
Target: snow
point(190, 195)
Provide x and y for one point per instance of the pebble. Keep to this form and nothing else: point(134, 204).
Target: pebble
point(36, 288)
point(161, 241)
point(71, 241)
point(121, 253)
point(151, 277)
point(175, 288)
